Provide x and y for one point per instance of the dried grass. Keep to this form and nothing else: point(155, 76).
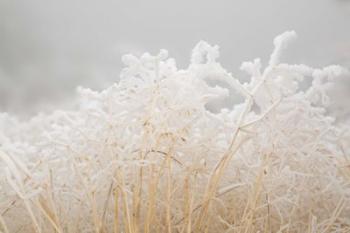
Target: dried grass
point(146, 155)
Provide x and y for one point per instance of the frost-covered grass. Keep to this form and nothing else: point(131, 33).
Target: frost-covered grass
point(146, 155)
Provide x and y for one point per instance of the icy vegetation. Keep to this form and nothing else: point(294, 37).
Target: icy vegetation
point(148, 155)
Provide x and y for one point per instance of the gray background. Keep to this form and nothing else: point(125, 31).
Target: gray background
point(47, 47)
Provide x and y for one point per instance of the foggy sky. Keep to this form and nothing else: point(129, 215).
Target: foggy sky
point(47, 47)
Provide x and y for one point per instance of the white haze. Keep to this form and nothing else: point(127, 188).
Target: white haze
point(47, 48)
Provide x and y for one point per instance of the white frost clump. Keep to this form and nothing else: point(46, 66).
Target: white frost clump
point(146, 155)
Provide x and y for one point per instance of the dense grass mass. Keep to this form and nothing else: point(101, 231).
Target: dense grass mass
point(149, 155)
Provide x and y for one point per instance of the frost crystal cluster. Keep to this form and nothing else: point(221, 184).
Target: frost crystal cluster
point(148, 155)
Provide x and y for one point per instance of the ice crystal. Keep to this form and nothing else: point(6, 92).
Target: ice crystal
point(147, 155)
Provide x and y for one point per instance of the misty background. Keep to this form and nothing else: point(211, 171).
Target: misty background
point(48, 48)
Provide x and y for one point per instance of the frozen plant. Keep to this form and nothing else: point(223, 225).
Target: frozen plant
point(146, 154)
